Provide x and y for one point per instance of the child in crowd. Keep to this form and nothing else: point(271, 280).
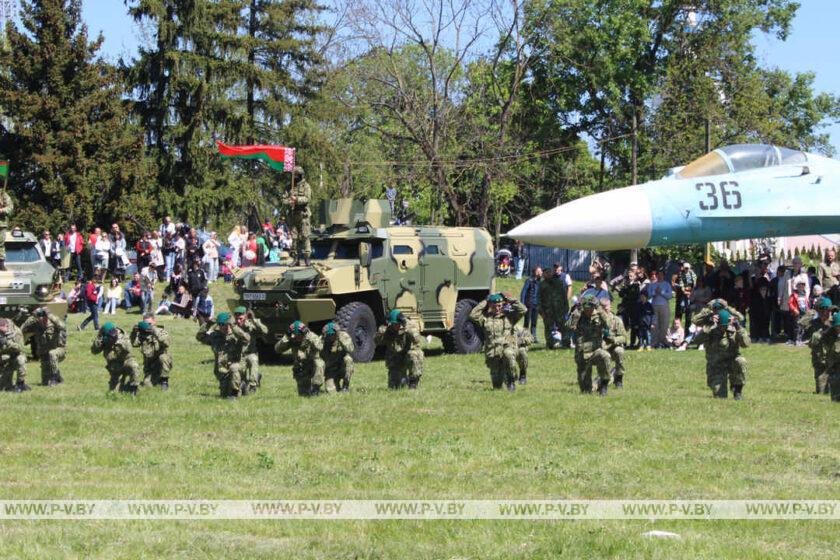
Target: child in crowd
point(227, 269)
point(646, 325)
point(798, 305)
point(676, 334)
point(114, 296)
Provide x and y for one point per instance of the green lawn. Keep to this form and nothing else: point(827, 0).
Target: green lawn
point(661, 437)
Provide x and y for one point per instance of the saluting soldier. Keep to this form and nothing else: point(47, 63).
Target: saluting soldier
point(112, 343)
point(307, 366)
point(497, 316)
point(338, 357)
point(12, 358)
point(403, 350)
point(50, 336)
point(707, 315)
point(300, 216)
point(228, 343)
point(590, 324)
point(255, 328)
point(153, 341)
point(615, 342)
point(723, 338)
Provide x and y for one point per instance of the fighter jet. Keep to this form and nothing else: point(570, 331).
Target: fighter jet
point(743, 191)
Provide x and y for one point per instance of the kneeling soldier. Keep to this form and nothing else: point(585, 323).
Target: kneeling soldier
point(614, 344)
point(338, 358)
point(307, 366)
point(591, 326)
point(497, 316)
point(12, 358)
point(228, 343)
point(403, 350)
point(116, 348)
point(723, 339)
point(154, 345)
point(255, 328)
point(830, 339)
point(50, 343)
point(707, 315)
point(812, 323)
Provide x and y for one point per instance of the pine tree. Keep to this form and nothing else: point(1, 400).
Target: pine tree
point(73, 154)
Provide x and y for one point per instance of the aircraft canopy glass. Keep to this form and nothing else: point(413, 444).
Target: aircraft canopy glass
point(741, 157)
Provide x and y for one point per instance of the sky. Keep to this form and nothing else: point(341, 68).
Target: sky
point(810, 46)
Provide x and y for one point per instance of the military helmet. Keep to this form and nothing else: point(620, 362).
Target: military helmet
point(108, 328)
point(223, 318)
point(824, 303)
point(724, 317)
point(395, 317)
point(835, 322)
point(144, 326)
point(496, 298)
point(298, 327)
point(589, 301)
point(330, 328)
point(240, 310)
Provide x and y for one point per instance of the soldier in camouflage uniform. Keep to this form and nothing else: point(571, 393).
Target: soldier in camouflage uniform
point(153, 342)
point(229, 343)
point(830, 339)
point(255, 328)
point(812, 323)
point(614, 344)
point(708, 314)
point(523, 341)
point(299, 216)
point(50, 343)
point(337, 357)
point(723, 338)
point(6, 208)
point(497, 316)
point(590, 324)
point(403, 350)
point(554, 305)
point(307, 367)
point(121, 365)
point(12, 358)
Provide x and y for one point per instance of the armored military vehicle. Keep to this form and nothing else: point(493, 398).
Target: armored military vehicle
point(29, 281)
point(363, 267)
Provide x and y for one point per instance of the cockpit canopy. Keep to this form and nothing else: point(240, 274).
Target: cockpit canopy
point(741, 157)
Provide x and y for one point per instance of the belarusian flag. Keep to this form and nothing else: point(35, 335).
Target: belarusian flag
point(279, 158)
point(4, 168)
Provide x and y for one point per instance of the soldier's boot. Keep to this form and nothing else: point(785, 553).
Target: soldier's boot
point(345, 386)
point(132, 389)
point(413, 382)
point(243, 388)
point(523, 379)
point(618, 381)
point(403, 382)
point(21, 387)
point(58, 378)
point(720, 391)
point(164, 384)
point(511, 386)
point(315, 391)
point(602, 388)
point(737, 391)
point(54, 381)
point(3, 265)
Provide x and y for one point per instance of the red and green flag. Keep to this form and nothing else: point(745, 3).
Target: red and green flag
point(4, 168)
point(279, 158)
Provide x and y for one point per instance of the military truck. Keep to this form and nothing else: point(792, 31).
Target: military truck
point(29, 280)
point(363, 267)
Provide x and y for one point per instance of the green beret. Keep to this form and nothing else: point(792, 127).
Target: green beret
point(41, 312)
point(144, 326)
point(240, 310)
point(107, 328)
point(717, 304)
point(589, 301)
point(330, 329)
point(223, 318)
point(298, 327)
point(724, 317)
point(824, 303)
point(496, 298)
point(394, 317)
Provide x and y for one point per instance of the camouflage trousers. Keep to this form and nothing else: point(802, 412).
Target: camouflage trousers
point(338, 374)
point(300, 228)
point(617, 356)
point(522, 361)
point(718, 372)
point(3, 242)
point(555, 320)
point(599, 359)
point(8, 368)
point(123, 374)
point(230, 379)
point(820, 373)
point(407, 370)
point(834, 384)
point(49, 365)
point(156, 370)
point(252, 370)
point(309, 376)
point(504, 367)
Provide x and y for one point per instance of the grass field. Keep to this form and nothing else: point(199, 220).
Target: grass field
point(662, 437)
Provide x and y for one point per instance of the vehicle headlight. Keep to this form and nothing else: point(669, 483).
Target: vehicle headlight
point(42, 292)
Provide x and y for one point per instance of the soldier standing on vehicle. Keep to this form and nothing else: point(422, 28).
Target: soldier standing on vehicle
point(12, 357)
point(50, 336)
point(723, 338)
point(615, 342)
point(403, 350)
point(6, 208)
point(338, 357)
point(830, 337)
point(299, 216)
point(154, 345)
point(307, 366)
point(121, 365)
point(229, 343)
point(812, 324)
point(255, 328)
point(497, 316)
point(524, 339)
point(590, 323)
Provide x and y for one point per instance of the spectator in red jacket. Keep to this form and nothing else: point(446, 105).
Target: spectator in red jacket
point(798, 305)
point(93, 293)
point(144, 249)
point(75, 244)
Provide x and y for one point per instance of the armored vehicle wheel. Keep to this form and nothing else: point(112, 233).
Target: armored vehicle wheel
point(464, 338)
point(358, 320)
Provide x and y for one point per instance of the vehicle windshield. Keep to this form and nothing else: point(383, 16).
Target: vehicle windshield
point(343, 249)
point(22, 253)
point(741, 157)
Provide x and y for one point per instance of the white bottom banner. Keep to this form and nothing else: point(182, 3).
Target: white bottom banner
point(420, 509)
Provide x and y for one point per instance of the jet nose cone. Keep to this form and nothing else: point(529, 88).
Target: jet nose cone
point(619, 219)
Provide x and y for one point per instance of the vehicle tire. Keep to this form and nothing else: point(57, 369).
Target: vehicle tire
point(358, 320)
point(464, 338)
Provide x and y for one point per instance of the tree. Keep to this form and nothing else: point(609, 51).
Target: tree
point(74, 155)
